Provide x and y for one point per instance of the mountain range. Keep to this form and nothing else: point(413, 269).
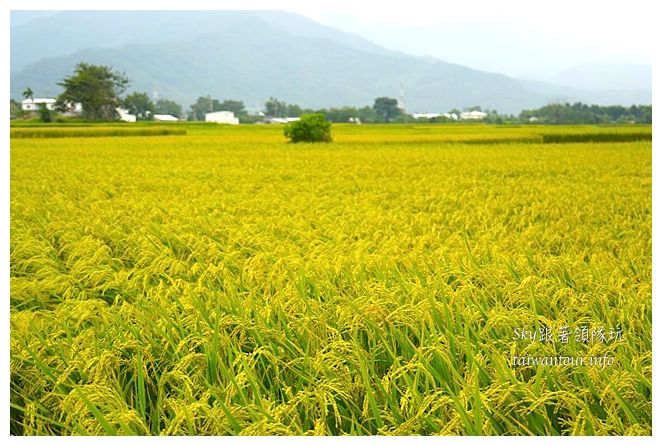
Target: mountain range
point(254, 55)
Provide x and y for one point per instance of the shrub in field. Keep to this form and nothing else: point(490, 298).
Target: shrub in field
point(310, 128)
point(45, 114)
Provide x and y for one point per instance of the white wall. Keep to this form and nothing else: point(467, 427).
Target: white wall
point(29, 105)
point(222, 117)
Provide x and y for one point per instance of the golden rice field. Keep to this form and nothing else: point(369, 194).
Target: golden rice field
point(225, 282)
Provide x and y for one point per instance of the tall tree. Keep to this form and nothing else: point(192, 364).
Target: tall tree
point(386, 108)
point(139, 104)
point(96, 87)
point(28, 94)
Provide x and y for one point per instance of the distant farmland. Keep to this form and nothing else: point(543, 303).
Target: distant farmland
point(402, 280)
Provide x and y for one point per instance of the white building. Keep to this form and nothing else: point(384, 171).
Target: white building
point(35, 103)
point(165, 118)
point(221, 117)
point(125, 115)
point(73, 109)
point(435, 115)
point(272, 120)
point(473, 115)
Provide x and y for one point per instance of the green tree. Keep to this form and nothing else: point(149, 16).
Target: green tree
point(367, 114)
point(139, 104)
point(276, 108)
point(294, 110)
point(386, 108)
point(644, 114)
point(236, 107)
point(202, 106)
point(168, 107)
point(579, 113)
point(28, 94)
point(45, 114)
point(310, 128)
point(15, 109)
point(96, 87)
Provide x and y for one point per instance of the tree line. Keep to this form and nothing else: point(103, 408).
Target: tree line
point(579, 113)
point(99, 89)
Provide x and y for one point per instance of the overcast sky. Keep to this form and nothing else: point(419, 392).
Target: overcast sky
point(516, 37)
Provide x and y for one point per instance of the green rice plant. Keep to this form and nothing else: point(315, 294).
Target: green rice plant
point(92, 131)
point(555, 138)
point(228, 283)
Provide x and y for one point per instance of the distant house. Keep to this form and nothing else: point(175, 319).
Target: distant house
point(473, 115)
point(221, 117)
point(125, 115)
point(426, 115)
point(435, 115)
point(165, 118)
point(71, 109)
point(35, 103)
point(274, 120)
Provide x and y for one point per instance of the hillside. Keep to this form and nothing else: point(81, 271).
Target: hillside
point(253, 55)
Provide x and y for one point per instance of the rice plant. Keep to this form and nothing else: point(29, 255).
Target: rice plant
point(93, 131)
point(228, 283)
